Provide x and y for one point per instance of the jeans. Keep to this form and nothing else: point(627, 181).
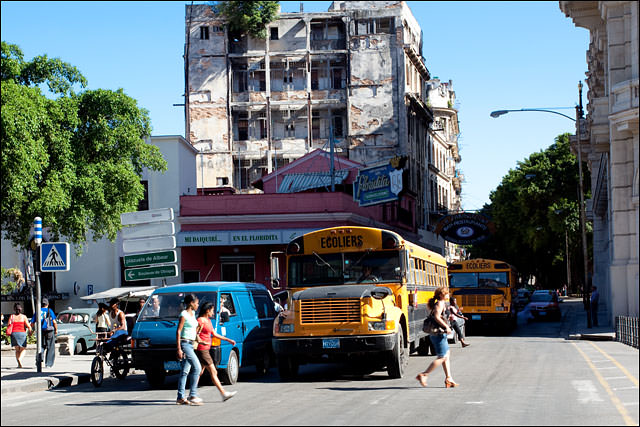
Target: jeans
point(49, 344)
point(190, 367)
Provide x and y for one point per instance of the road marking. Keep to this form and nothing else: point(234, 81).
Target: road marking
point(30, 401)
point(615, 378)
point(625, 388)
point(618, 404)
point(587, 392)
point(474, 403)
point(622, 368)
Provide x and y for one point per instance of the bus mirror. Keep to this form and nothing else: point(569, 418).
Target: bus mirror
point(380, 293)
point(398, 272)
point(275, 270)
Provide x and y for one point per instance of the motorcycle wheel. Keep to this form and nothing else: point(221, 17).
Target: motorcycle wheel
point(120, 364)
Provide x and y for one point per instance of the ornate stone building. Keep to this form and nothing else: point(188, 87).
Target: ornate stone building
point(609, 143)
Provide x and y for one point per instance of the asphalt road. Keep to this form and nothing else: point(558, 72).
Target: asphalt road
point(531, 377)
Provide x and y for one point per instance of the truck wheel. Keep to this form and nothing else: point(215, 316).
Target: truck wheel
point(287, 368)
point(399, 358)
point(155, 377)
point(229, 375)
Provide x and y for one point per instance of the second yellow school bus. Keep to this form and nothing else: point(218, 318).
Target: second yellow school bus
point(355, 294)
point(485, 289)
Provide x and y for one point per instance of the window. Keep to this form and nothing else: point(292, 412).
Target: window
point(191, 276)
point(314, 80)
point(222, 180)
point(240, 79)
point(264, 305)
point(274, 33)
point(143, 204)
point(217, 29)
point(226, 302)
point(336, 78)
point(238, 268)
point(243, 127)
point(204, 33)
point(315, 124)
point(290, 130)
point(338, 130)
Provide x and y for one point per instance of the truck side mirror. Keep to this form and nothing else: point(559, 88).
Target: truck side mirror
point(224, 317)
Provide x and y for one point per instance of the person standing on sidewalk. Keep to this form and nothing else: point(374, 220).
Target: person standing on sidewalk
point(49, 331)
point(186, 339)
point(18, 326)
point(208, 338)
point(454, 315)
point(595, 299)
point(439, 341)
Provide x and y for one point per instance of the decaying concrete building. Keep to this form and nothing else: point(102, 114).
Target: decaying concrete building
point(352, 76)
point(443, 194)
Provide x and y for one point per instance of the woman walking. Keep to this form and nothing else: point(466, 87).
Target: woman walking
point(208, 337)
point(101, 318)
point(439, 341)
point(18, 326)
point(186, 339)
point(454, 314)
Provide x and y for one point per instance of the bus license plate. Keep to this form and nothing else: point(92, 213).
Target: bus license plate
point(172, 365)
point(331, 343)
point(475, 317)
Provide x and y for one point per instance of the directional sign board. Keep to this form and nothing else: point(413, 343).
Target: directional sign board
point(54, 256)
point(138, 260)
point(143, 217)
point(145, 273)
point(149, 244)
point(164, 228)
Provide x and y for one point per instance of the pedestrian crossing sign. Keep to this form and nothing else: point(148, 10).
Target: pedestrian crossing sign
point(54, 256)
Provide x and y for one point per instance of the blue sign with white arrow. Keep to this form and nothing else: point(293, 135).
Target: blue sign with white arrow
point(54, 256)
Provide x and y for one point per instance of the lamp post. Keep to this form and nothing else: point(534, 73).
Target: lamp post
point(586, 300)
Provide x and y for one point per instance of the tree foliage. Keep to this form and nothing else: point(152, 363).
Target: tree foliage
point(532, 207)
point(248, 17)
point(73, 159)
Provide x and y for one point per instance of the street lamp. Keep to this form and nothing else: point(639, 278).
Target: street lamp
point(585, 289)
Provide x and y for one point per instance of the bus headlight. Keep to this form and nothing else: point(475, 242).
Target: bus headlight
point(389, 325)
point(287, 328)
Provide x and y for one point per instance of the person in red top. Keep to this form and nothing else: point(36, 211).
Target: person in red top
point(206, 337)
point(19, 325)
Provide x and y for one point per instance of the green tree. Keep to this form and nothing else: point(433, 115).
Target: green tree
point(532, 208)
point(248, 17)
point(73, 159)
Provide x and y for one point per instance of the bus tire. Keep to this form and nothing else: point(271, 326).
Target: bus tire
point(399, 357)
point(423, 347)
point(287, 368)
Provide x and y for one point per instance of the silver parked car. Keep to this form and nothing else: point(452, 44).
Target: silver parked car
point(78, 323)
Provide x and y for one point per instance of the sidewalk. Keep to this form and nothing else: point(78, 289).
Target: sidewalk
point(66, 371)
point(575, 321)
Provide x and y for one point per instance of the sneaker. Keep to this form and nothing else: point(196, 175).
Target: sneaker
point(183, 401)
point(195, 400)
point(228, 395)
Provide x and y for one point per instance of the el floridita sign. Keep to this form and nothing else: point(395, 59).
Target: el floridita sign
point(379, 184)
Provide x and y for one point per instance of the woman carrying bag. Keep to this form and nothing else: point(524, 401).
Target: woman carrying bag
point(17, 327)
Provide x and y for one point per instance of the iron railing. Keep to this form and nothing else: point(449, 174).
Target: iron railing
point(627, 330)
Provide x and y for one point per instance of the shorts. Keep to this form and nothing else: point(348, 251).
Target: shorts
point(19, 339)
point(440, 344)
point(205, 357)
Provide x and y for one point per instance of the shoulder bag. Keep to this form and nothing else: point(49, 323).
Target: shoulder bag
point(431, 327)
point(10, 326)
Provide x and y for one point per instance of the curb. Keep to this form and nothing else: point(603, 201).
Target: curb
point(46, 383)
point(591, 337)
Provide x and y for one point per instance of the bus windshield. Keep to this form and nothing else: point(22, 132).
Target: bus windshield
point(497, 279)
point(344, 268)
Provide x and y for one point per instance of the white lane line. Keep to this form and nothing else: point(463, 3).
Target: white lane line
point(625, 388)
point(615, 378)
point(29, 401)
point(587, 391)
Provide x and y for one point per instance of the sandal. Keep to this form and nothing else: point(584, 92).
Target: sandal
point(422, 378)
point(450, 383)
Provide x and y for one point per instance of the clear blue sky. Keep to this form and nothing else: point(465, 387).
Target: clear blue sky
point(499, 55)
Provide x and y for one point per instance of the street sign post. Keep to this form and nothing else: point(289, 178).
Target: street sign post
point(159, 243)
point(151, 258)
point(54, 256)
point(144, 217)
point(145, 273)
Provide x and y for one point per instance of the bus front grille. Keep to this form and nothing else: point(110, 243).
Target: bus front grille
point(330, 310)
point(476, 300)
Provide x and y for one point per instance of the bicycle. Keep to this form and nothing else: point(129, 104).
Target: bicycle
point(115, 352)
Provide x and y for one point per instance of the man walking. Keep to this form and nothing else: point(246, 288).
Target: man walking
point(595, 299)
point(49, 331)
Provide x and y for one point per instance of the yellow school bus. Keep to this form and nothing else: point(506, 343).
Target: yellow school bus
point(355, 294)
point(485, 289)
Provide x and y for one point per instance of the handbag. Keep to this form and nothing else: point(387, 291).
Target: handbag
point(10, 326)
point(431, 327)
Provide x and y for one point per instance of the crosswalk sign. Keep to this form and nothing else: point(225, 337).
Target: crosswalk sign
point(54, 256)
